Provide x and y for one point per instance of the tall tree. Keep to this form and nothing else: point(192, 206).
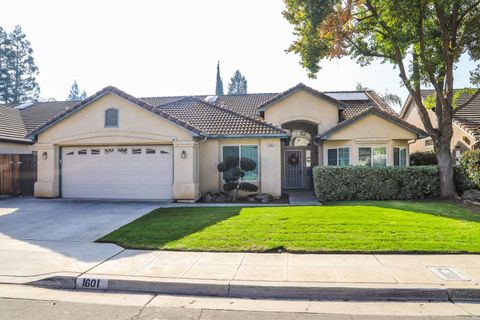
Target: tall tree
point(5, 55)
point(424, 39)
point(238, 84)
point(75, 94)
point(21, 68)
point(219, 84)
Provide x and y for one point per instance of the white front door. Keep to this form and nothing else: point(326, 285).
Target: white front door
point(117, 172)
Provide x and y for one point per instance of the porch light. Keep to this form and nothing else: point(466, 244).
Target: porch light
point(183, 155)
point(44, 155)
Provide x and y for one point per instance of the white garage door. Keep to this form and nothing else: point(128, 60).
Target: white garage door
point(119, 172)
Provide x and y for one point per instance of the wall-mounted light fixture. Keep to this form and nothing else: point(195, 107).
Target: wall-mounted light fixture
point(44, 155)
point(183, 155)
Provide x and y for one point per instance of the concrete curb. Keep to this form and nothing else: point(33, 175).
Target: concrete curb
point(266, 290)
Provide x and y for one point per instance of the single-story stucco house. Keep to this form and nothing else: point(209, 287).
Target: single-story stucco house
point(466, 123)
point(114, 145)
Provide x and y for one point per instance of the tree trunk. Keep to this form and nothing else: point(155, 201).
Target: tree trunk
point(445, 167)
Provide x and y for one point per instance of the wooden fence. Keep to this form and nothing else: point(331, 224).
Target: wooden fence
point(18, 173)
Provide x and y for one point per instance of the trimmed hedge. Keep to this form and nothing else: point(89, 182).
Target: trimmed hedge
point(426, 158)
point(470, 162)
point(380, 183)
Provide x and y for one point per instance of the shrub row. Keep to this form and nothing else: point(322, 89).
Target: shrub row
point(380, 183)
point(426, 158)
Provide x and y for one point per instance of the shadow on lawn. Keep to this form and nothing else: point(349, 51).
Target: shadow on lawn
point(164, 225)
point(439, 208)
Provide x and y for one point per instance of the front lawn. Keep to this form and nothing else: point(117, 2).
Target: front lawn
point(369, 226)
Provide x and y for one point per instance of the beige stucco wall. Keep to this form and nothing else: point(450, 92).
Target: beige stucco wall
point(15, 148)
point(370, 131)
point(372, 126)
point(411, 116)
point(209, 157)
point(303, 106)
point(136, 126)
point(269, 171)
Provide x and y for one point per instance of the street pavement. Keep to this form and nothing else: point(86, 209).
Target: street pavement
point(23, 302)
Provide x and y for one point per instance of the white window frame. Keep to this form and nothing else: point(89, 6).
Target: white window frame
point(105, 118)
point(371, 154)
point(338, 156)
point(240, 154)
point(399, 150)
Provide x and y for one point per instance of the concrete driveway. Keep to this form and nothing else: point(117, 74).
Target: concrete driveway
point(41, 237)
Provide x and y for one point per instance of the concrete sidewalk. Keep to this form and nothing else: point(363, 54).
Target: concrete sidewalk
point(265, 275)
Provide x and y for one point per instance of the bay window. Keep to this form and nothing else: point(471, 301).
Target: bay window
point(243, 151)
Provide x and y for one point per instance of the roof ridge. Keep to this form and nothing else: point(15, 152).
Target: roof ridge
point(237, 113)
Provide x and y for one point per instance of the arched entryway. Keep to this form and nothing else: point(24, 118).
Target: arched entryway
point(299, 155)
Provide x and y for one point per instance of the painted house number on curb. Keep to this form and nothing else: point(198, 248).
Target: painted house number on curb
point(92, 283)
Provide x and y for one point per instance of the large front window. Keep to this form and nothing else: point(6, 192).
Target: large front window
point(244, 151)
point(338, 157)
point(376, 156)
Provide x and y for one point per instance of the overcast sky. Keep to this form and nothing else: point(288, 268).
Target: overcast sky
point(153, 48)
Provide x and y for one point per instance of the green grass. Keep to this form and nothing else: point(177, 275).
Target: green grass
point(369, 226)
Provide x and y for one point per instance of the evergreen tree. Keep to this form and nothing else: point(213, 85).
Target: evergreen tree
point(75, 94)
point(219, 84)
point(238, 84)
point(5, 55)
point(22, 70)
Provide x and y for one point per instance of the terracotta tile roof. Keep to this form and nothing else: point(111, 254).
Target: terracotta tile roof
point(380, 102)
point(250, 103)
point(215, 120)
point(41, 113)
point(246, 104)
point(467, 115)
point(11, 124)
point(386, 115)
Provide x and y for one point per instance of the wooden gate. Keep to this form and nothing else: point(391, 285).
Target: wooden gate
point(18, 173)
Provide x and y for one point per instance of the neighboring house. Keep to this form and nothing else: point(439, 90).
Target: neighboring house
point(13, 132)
point(113, 145)
point(466, 123)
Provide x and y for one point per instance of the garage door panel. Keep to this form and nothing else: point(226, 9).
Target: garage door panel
point(125, 172)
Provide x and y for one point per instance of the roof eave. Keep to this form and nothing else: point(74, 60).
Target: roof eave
point(16, 140)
